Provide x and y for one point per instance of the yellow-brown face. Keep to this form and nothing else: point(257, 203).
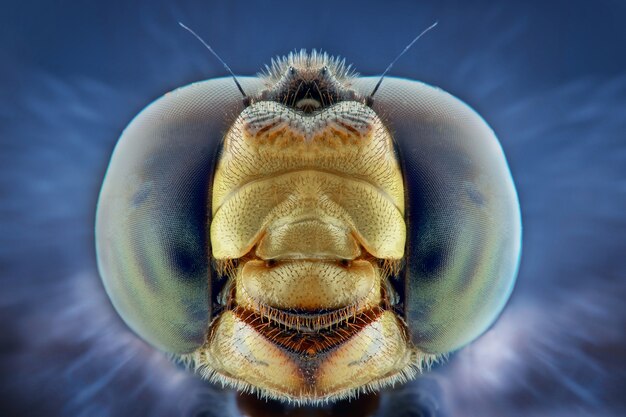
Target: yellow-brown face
point(309, 211)
point(314, 250)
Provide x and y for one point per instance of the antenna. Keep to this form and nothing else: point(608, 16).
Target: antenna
point(369, 99)
point(245, 97)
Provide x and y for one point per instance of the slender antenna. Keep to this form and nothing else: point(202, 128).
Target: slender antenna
point(218, 58)
point(398, 57)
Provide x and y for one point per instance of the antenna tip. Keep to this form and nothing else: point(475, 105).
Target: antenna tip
point(206, 45)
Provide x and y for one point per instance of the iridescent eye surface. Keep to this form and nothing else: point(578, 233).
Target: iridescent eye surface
point(313, 244)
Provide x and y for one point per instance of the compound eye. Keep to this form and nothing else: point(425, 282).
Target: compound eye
point(292, 71)
point(151, 226)
point(464, 224)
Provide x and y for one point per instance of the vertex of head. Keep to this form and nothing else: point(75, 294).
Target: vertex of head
point(308, 82)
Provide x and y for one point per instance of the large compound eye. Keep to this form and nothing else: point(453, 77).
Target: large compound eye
point(463, 217)
point(151, 227)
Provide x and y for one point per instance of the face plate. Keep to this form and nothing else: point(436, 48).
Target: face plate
point(308, 224)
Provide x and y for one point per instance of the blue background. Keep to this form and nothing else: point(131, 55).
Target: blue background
point(550, 78)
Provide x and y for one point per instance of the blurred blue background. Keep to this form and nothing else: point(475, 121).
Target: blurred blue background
point(550, 78)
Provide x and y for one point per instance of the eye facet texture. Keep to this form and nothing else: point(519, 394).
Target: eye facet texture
point(151, 228)
point(464, 225)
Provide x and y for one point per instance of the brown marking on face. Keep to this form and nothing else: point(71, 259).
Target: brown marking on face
point(309, 343)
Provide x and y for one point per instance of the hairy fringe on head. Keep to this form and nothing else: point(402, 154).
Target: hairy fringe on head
point(200, 362)
point(302, 60)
